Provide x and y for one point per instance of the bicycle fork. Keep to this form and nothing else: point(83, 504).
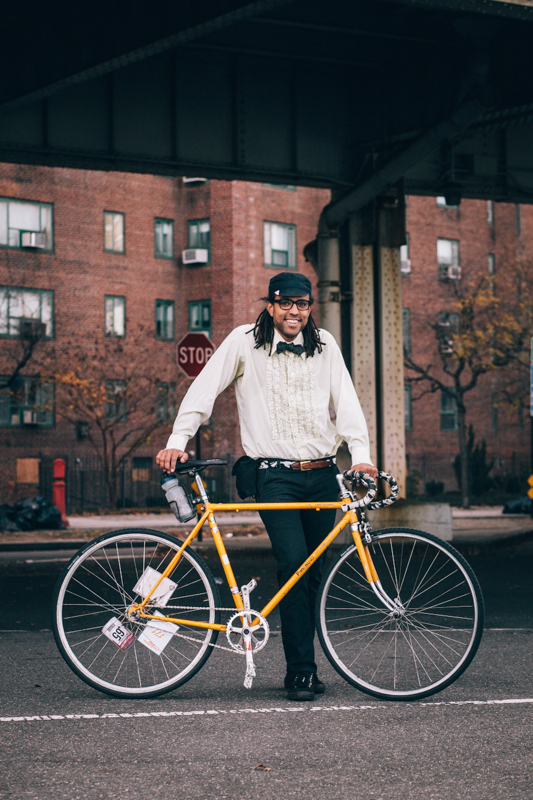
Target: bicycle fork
point(395, 606)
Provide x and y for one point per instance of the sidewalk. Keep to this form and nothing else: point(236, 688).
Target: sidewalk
point(473, 529)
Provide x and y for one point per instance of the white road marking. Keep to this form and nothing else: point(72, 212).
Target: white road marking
point(275, 710)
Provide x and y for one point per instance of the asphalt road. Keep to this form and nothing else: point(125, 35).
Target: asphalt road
point(207, 739)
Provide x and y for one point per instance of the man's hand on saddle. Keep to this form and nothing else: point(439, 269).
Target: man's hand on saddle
point(368, 468)
point(167, 459)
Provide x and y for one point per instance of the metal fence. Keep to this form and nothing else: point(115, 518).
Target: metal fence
point(138, 483)
point(508, 472)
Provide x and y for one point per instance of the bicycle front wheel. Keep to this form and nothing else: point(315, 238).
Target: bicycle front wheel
point(128, 657)
point(427, 641)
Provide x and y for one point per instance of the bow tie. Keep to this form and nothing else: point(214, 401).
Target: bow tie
point(292, 348)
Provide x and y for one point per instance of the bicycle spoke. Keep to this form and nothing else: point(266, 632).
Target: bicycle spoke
point(423, 644)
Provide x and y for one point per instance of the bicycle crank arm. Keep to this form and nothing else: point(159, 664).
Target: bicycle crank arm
point(250, 666)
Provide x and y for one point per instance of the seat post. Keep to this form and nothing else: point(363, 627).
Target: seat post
point(200, 486)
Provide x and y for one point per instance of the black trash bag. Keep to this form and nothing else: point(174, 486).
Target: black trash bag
point(522, 505)
point(7, 525)
point(36, 513)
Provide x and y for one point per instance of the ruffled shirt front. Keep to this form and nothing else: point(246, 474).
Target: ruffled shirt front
point(285, 401)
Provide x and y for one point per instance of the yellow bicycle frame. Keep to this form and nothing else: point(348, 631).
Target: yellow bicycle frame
point(350, 517)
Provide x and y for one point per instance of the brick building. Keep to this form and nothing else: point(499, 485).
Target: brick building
point(96, 259)
point(477, 238)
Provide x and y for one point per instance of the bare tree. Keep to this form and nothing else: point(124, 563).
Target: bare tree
point(118, 396)
point(486, 329)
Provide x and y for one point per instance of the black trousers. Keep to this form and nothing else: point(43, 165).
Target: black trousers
point(294, 536)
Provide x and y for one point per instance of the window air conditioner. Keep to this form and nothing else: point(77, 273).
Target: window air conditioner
point(449, 272)
point(194, 181)
point(405, 266)
point(32, 239)
point(454, 273)
point(32, 329)
point(195, 256)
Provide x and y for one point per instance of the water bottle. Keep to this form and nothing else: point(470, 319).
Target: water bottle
point(179, 498)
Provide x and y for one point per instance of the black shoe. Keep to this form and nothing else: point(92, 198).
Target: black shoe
point(318, 686)
point(302, 687)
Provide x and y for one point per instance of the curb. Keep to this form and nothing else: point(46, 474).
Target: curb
point(472, 548)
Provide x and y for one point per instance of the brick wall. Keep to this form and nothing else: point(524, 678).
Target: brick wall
point(430, 449)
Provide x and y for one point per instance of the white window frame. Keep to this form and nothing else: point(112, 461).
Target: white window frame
point(273, 233)
point(11, 234)
point(10, 323)
point(114, 308)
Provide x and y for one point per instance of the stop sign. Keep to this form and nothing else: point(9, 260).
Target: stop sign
point(194, 351)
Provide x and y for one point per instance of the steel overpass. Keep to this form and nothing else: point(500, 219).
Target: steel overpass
point(372, 98)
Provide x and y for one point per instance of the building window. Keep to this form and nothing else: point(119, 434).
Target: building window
point(164, 238)
point(448, 327)
point(448, 259)
point(165, 403)
point(114, 232)
point(448, 412)
point(200, 316)
point(26, 312)
point(279, 245)
point(441, 202)
point(491, 264)
point(405, 258)
point(406, 324)
point(25, 224)
point(164, 319)
point(490, 212)
point(115, 316)
point(115, 406)
point(286, 186)
point(407, 406)
point(517, 219)
point(199, 234)
point(141, 469)
point(29, 401)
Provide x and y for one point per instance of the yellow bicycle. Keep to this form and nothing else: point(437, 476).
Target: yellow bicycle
point(137, 612)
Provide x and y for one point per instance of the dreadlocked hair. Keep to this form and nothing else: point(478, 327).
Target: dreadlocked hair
point(263, 332)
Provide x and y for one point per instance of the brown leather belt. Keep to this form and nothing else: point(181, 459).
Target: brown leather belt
point(302, 466)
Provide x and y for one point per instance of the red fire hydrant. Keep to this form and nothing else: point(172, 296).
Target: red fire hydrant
point(58, 488)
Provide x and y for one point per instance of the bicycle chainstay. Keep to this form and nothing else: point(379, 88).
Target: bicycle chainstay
point(192, 639)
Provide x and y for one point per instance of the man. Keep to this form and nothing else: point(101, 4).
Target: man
point(287, 375)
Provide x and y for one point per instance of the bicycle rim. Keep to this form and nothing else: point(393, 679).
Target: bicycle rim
point(96, 589)
point(437, 633)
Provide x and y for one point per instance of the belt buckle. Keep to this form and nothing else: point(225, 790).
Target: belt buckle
point(304, 468)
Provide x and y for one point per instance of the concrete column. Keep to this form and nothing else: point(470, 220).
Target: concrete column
point(392, 377)
point(363, 330)
point(377, 335)
point(328, 269)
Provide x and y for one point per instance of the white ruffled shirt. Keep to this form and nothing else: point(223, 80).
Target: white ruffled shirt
point(284, 400)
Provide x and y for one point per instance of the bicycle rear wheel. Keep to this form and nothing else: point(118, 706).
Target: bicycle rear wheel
point(133, 657)
point(433, 637)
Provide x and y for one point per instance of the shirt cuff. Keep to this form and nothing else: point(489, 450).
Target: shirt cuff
point(177, 441)
point(360, 456)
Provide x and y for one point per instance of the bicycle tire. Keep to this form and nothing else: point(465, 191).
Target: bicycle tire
point(97, 586)
point(434, 639)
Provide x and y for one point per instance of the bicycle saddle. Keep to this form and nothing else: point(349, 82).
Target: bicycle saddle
point(199, 465)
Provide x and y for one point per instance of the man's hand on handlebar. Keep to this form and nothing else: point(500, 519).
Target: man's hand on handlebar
point(167, 459)
point(368, 468)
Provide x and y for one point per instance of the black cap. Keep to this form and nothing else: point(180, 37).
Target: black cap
point(287, 284)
